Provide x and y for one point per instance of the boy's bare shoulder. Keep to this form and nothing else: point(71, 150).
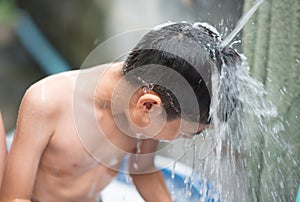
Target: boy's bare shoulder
point(48, 95)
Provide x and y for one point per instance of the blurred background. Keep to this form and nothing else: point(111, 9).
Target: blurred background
point(40, 37)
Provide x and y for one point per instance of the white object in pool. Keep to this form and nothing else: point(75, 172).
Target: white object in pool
point(118, 191)
point(126, 192)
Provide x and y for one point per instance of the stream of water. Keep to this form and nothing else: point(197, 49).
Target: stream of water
point(241, 23)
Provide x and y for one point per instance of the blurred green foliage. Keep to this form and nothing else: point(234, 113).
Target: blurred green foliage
point(7, 10)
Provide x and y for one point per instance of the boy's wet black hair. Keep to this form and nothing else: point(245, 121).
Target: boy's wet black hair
point(191, 50)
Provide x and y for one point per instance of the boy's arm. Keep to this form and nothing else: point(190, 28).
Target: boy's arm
point(3, 151)
point(148, 180)
point(33, 132)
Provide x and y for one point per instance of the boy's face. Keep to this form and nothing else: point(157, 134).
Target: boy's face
point(159, 129)
point(148, 118)
point(178, 128)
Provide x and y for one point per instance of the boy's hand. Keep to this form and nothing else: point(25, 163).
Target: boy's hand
point(148, 180)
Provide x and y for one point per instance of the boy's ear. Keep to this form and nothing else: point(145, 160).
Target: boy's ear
point(147, 101)
point(146, 104)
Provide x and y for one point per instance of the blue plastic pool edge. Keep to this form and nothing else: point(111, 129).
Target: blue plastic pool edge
point(177, 181)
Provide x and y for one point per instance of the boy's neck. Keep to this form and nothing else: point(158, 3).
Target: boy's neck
point(113, 91)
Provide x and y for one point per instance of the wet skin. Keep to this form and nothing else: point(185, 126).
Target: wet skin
point(47, 161)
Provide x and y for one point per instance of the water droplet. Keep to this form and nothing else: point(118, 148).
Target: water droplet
point(279, 159)
point(135, 166)
point(281, 184)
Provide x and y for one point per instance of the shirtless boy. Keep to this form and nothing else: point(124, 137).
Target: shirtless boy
point(75, 128)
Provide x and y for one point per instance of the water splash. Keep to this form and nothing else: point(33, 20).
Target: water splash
point(249, 160)
point(246, 158)
point(241, 23)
